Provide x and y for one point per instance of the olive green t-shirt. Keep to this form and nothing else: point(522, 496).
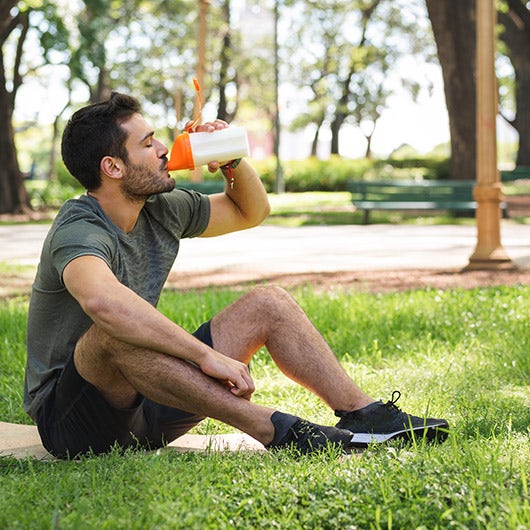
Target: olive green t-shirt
point(140, 259)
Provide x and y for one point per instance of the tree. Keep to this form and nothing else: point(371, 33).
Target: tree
point(242, 76)
point(347, 53)
point(17, 20)
point(135, 46)
point(14, 24)
point(227, 74)
point(454, 26)
point(514, 17)
point(88, 61)
point(356, 62)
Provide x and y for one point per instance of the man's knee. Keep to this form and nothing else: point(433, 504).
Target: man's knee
point(269, 306)
point(98, 359)
point(270, 297)
point(97, 353)
point(96, 344)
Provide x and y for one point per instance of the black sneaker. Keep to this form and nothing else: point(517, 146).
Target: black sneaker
point(307, 437)
point(380, 422)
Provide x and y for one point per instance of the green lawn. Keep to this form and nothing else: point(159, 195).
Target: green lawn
point(459, 354)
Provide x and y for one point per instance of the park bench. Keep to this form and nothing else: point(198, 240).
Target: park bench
point(206, 186)
point(447, 195)
point(518, 173)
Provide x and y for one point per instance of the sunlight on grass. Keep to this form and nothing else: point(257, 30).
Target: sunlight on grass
point(309, 201)
point(459, 354)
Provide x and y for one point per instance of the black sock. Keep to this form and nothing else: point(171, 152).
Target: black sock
point(282, 423)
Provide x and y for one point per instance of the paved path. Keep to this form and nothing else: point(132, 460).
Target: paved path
point(272, 249)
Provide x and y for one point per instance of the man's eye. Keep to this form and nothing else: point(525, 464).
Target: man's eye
point(149, 145)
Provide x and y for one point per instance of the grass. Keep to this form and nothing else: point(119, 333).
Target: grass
point(458, 354)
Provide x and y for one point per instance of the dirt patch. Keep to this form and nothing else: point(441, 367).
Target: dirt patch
point(365, 281)
point(17, 284)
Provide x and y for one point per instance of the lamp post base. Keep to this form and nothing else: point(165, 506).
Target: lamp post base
point(490, 265)
point(489, 253)
point(497, 259)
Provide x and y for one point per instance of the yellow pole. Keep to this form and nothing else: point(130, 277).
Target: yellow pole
point(489, 253)
point(201, 40)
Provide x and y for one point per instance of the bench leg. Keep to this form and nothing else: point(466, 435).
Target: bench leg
point(366, 217)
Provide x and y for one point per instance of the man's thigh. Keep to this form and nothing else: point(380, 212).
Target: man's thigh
point(76, 419)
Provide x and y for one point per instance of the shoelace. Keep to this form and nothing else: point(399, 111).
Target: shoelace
point(391, 404)
point(396, 394)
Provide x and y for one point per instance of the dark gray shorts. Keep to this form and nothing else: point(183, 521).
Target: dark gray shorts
point(76, 419)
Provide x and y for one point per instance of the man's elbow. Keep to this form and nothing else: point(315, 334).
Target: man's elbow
point(100, 309)
point(265, 211)
point(260, 214)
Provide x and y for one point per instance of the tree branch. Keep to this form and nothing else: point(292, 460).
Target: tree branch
point(519, 14)
point(17, 78)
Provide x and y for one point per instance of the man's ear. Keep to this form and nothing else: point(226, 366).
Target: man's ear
point(111, 167)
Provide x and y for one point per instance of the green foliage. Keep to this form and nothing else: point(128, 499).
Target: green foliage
point(46, 195)
point(345, 56)
point(54, 34)
point(313, 174)
point(426, 167)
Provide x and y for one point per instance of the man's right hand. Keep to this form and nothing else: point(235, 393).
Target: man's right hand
point(232, 373)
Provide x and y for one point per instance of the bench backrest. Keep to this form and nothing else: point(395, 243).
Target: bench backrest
point(411, 190)
point(206, 186)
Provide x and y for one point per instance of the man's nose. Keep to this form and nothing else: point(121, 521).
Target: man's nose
point(161, 149)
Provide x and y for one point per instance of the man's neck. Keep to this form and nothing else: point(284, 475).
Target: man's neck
point(123, 212)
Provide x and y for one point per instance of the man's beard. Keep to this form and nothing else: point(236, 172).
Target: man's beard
point(140, 182)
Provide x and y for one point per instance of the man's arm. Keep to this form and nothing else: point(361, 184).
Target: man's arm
point(125, 316)
point(241, 206)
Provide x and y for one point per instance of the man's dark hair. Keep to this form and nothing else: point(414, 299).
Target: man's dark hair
point(94, 132)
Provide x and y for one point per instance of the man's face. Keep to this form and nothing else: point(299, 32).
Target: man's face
point(146, 172)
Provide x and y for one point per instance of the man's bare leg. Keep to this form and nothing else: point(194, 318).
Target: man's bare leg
point(121, 372)
point(268, 316)
point(265, 316)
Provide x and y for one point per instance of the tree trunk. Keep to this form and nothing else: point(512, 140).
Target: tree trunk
point(336, 125)
point(368, 151)
point(13, 196)
point(54, 146)
point(314, 143)
point(224, 60)
point(516, 36)
point(454, 27)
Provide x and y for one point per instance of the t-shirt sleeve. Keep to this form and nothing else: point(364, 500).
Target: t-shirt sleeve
point(185, 212)
point(81, 238)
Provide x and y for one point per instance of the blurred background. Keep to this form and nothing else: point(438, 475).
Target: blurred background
point(328, 90)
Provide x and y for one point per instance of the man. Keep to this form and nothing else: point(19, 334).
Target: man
point(106, 368)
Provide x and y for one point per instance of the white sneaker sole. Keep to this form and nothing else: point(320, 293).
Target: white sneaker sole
point(363, 439)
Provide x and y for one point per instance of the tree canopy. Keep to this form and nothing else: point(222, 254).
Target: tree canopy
point(341, 59)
